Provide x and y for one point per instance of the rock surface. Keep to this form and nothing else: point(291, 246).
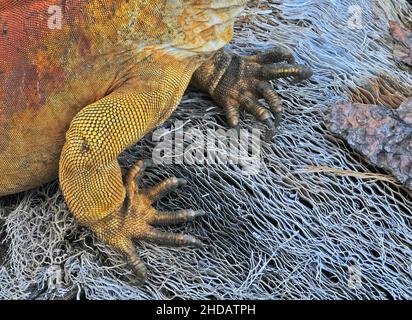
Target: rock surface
point(383, 135)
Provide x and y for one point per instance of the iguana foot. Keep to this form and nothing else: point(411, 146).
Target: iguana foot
point(135, 220)
point(236, 82)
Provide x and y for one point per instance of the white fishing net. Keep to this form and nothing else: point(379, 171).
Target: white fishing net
point(280, 231)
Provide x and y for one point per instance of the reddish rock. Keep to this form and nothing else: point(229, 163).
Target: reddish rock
point(383, 135)
point(402, 51)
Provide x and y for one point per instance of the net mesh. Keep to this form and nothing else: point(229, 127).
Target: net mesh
point(286, 231)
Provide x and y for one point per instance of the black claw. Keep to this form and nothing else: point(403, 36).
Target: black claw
point(278, 119)
point(305, 73)
point(199, 213)
point(181, 182)
point(190, 241)
point(182, 216)
point(270, 134)
point(272, 128)
point(139, 269)
point(308, 72)
point(193, 242)
point(135, 281)
point(270, 123)
point(192, 214)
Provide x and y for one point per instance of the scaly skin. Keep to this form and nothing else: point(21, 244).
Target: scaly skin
point(72, 99)
point(239, 82)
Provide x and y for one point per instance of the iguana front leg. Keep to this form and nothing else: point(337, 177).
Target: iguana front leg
point(239, 82)
point(116, 209)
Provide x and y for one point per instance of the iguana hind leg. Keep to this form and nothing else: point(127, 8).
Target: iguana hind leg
point(116, 209)
point(236, 82)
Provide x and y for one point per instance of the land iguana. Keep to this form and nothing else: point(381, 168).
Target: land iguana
point(76, 92)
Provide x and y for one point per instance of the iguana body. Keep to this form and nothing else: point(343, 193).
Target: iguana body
point(73, 98)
